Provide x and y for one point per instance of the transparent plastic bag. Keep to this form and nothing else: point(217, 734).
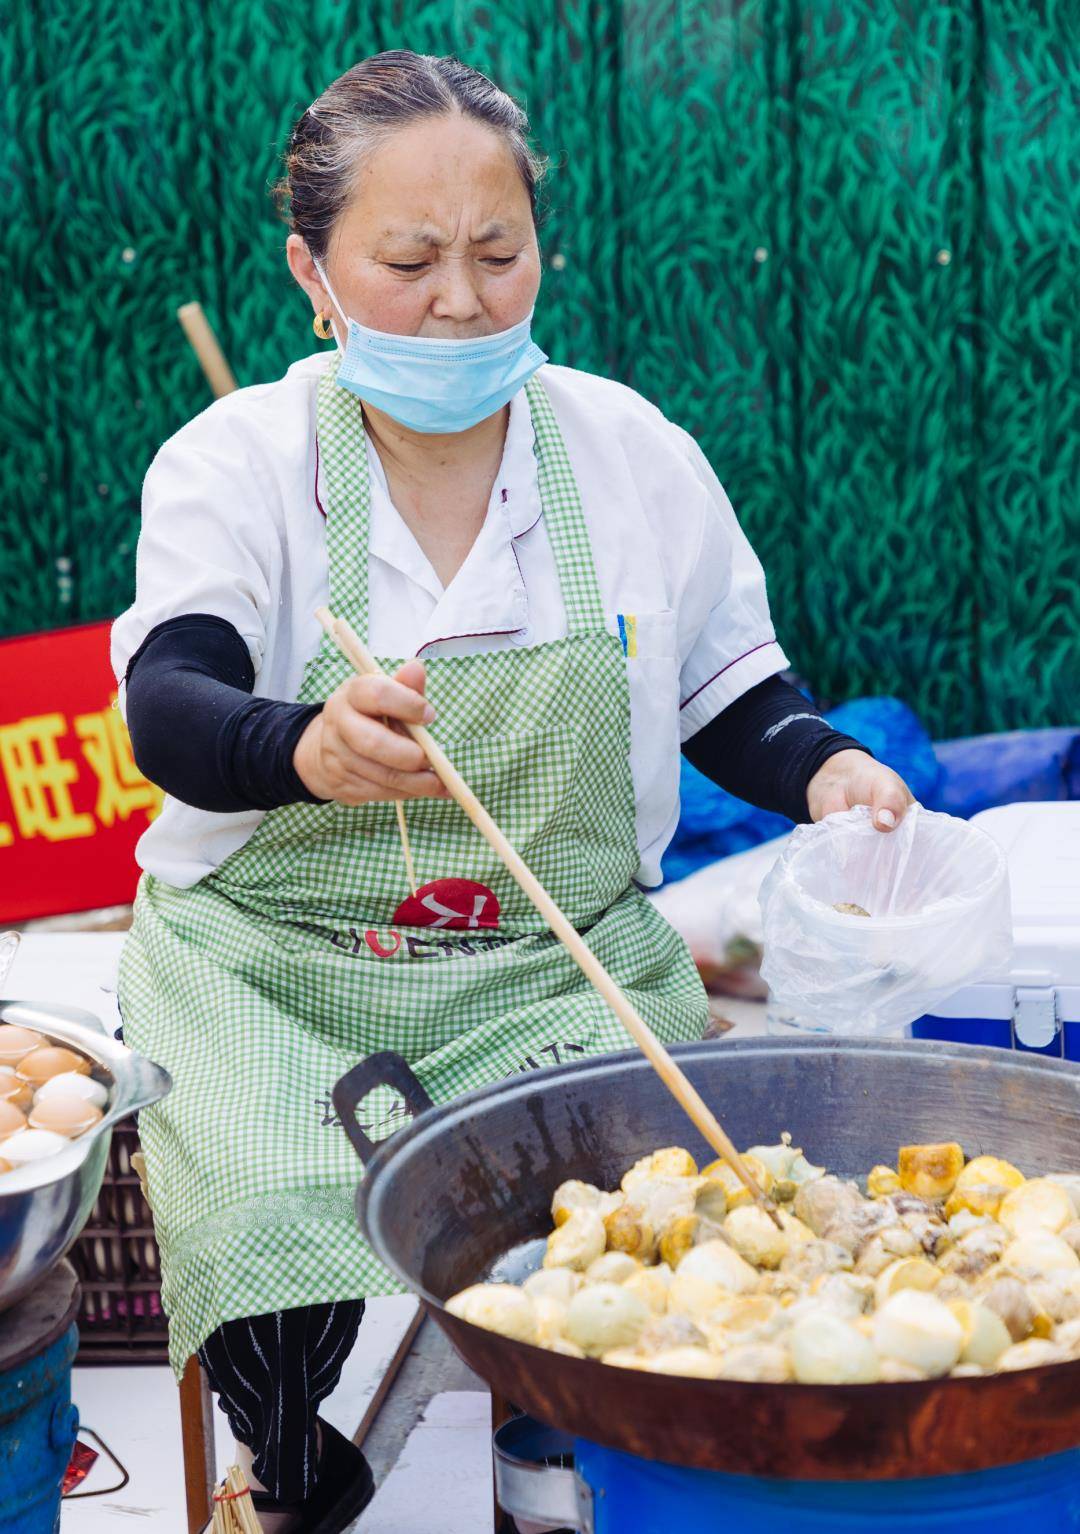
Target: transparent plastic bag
point(936, 891)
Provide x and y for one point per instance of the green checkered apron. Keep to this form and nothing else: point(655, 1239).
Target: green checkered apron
point(305, 950)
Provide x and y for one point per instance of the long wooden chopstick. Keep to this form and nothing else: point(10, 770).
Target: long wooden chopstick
point(356, 652)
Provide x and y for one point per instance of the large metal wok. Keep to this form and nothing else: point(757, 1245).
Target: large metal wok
point(446, 1198)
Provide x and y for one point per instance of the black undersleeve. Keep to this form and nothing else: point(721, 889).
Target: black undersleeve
point(766, 746)
point(197, 731)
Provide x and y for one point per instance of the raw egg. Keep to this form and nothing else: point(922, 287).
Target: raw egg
point(16, 1042)
point(11, 1120)
point(67, 1116)
point(71, 1084)
point(32, 1145)
point(13, 1090)
point(38, 1066)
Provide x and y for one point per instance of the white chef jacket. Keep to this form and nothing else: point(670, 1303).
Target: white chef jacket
point(233, 525)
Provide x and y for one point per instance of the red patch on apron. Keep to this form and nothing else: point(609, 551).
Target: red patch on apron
point(458, 904)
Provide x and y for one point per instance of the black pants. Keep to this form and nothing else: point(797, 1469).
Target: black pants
point(270, 1374)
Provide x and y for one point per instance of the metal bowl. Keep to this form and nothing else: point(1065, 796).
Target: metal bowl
point(45, 1205)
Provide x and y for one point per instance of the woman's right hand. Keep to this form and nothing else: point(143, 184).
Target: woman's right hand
point(349, 752)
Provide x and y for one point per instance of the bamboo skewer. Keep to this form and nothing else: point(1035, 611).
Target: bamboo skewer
point(677, 1083)
point(234, 1511)
point(249, 1523)
point(406, 846)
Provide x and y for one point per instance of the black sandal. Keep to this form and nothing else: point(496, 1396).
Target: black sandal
point(343, 1488)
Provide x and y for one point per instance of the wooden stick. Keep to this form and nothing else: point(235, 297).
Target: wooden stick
point(355, 651)
point(406, 847)
point(205, 345)
point(234, 1511)
point(242, 1504)
point(197, 1437)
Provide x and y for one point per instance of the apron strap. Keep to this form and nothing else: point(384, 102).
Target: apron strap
point(564, 518)
point(343, 454)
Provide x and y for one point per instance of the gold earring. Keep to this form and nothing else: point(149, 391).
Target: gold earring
point(320, 325)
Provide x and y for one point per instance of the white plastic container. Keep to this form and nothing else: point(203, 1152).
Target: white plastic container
point(1038, 1007)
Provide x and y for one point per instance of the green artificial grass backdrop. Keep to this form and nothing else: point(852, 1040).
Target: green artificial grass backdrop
point(837, 241)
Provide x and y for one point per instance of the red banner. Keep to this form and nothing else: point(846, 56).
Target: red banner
point(72, 801)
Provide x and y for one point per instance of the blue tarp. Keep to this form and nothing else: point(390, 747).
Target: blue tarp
point(1023, 765)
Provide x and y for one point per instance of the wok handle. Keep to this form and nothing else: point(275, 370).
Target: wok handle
point(385, 1069)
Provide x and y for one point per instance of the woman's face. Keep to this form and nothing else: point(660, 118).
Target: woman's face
point(437, 240)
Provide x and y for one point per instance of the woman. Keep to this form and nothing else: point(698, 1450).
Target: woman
point(580, 599)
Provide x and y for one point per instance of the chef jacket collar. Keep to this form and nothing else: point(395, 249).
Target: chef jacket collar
point(487, 596)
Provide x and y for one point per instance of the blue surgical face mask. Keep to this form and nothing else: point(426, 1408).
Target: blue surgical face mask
point(431, 385)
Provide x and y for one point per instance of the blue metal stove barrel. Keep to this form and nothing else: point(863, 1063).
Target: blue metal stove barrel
point(38, 1423)
point(544, 1478)
point(627, 1495)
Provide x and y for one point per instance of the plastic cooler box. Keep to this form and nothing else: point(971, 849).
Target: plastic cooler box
point(1037, 1007)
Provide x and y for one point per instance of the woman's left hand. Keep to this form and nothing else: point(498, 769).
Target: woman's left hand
point(850, 778)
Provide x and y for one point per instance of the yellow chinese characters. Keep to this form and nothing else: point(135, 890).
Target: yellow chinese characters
point(122, 789)
point(39, 780)
point(39, 776)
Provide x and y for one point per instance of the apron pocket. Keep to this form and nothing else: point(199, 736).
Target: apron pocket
point(527, 782)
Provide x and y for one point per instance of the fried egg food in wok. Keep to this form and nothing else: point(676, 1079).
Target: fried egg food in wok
point(941, 1266)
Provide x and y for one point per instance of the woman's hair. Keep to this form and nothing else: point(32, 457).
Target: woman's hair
point(363, 107)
